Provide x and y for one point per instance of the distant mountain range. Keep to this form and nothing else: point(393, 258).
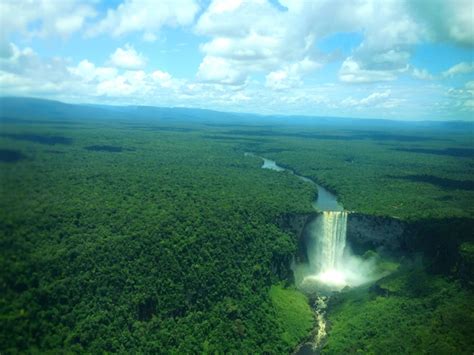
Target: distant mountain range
point(32, 109)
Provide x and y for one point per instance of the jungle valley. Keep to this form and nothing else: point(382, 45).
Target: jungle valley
point(155, 230)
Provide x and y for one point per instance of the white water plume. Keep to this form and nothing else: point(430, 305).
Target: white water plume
point(331, 265)
point(330, 240)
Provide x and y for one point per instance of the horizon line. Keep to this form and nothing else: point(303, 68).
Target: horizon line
point(308, 117)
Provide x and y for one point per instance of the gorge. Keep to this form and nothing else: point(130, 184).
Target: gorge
point(329, 265)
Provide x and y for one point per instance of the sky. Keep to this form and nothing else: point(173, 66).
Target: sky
point(396, 59)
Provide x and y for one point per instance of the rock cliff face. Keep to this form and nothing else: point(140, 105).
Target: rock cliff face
point(295, 224)
point(366, 232)
point(439, 240)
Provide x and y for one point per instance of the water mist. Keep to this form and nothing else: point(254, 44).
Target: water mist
point(331, 265)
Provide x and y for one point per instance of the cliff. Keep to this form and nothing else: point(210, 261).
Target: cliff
point(365, 232)
point(438, 240)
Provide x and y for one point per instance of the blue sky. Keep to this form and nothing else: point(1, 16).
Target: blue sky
point(397, 59)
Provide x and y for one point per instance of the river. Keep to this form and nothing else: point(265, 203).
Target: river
point(326, 201)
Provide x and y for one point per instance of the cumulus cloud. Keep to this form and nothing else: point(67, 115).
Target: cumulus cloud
point(127, 58)
point(162, 78)
point(26, 63)
point(24, 72)
point(88, 72)
point(281, 79)
point(290, 75)
point(114, 82)
point(462, 98)
point(252, 51)
point(146, 16)
point(254, 36)
point(219, 70)
point(422, 74)
point(374, 99)
point(352, 72)
point(41, 18)
point(45, 17)
point(446, 20)
point(458, 69)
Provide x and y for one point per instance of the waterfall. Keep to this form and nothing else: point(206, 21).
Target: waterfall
point(331, 239)
point(328, 235)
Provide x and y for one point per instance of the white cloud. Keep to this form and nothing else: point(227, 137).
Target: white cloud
point(258, 37)
point(422, 74)
point(26, 63)
point(164, 79)
point(24, 72)
point(88, 72)
point(255, 36)
point(133, 83)
point(251, 37)
point(469, 105)
point(44, 17)
point(147, 16)
point(458, 69)
point(87, 82)
point(111, 82)
point(218, 70)
point(290, 75)
point(352, 72)
point(470, 86)
point(390, 34)
point(281, 79)
point(446, 20)
point(159, 75)
point(462, 97)
point(116, 87)
point(127, 58)
point(149, 37)
point(374, 99)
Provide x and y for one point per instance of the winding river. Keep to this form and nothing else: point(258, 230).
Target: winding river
point(325, 201)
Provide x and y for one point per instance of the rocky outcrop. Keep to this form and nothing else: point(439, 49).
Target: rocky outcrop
point(295, 224)
point(446, 244)
point(438, 240)
point(365, 232)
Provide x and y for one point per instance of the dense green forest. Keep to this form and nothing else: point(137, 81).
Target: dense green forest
point(154, 233)
point(413, 174)
point(407, 312)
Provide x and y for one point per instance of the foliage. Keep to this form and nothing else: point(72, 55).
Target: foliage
point(381, 173)
point(409, 311)
point(293, 313)
point(166, 245)
point(149, 231)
